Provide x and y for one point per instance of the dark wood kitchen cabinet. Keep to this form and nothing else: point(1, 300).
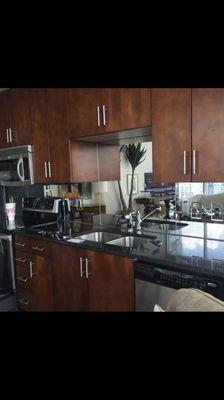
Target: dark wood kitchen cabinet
point(21, 127)
point(207, 135)
point(187, 133)
point(70, 288)
point(59, 168)
point(85, 280)
point(98, 111)
point(56, 158)
point(56, 277)
point(5, 120)
point(49, 135)
point(126, 108)
point(39, 133)
point(171, 135)
point(110, 282)
point(15, 127)
point(33, 274)
point(84, 111)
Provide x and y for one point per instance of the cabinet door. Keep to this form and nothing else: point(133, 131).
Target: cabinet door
point(35, 285)
point(21, 130)
point(111, 282)
point(171, 135)
point(84, 114)
point(127, 108)
point(70, 289)
point(208, 135)
point(39, 133)
point(58, 135)
point(5, 121)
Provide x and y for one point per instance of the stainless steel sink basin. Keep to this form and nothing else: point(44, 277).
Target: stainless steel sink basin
point(99, 236)
point(131, 241)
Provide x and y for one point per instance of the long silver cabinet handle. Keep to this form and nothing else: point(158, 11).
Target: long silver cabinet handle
point(98, 116)
point(49, 169)
point(185, 167)
point(21, 279)
point(31, 270)
point(38, 248)
point(24, 301)
point(7, 135)
point(81, 267)
point(45, 169)
point(22, 260)
point(194, 162)
point(10, 136)
point(104, 115)
point(87, 269)
point(20, 244)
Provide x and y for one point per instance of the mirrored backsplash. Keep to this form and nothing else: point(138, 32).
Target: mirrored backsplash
point(105, 200)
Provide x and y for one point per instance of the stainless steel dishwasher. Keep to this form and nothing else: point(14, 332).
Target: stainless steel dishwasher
point(155, 285)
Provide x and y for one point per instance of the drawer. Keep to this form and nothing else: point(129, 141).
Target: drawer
point(25, 299)
point(26, 266)
point(32, 245)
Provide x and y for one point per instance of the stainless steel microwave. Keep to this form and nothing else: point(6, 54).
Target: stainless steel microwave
point(16, 166)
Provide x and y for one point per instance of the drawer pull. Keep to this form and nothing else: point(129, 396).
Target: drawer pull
point(21, 244)
point(24, 301)
point(38, 248)
point(21, 279)
point(22, 260)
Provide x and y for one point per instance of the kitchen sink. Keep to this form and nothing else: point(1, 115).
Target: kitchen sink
point(131, 241)
point(99, 236)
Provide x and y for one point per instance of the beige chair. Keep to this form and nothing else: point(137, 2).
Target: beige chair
point(194, 300)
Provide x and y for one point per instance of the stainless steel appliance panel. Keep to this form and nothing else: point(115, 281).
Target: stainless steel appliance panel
point(147, 294)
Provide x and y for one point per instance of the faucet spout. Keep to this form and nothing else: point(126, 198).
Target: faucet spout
point(139, 219)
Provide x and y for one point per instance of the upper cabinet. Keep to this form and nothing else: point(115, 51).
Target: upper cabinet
point(20, 129)
point(15, 118)
point(5, 120)
point(125, 109)
point(207, 135)
point(84, 112)
point(49, 135)
point(98, 111)
point(171, 135)
point(188, 135)
point(39, 134)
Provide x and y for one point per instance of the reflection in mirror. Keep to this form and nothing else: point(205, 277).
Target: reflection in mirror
point(83, 199)
point(131, 192)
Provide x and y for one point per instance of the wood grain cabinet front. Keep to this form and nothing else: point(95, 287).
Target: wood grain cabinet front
point(33, 274)
point(15, 129)
point(171, 135)
point(207, 135)
point(104, 110)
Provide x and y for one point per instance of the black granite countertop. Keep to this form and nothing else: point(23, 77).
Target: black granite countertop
point(194, 247)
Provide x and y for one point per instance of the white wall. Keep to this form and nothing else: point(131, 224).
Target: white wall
point(112, 197)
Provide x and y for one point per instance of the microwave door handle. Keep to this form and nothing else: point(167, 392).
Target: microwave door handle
point(20, 169)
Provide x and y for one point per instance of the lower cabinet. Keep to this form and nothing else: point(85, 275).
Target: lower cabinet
point(34, 282)
point(110, 282)
point(67, 278)
point(70, 289)
point(86, 280)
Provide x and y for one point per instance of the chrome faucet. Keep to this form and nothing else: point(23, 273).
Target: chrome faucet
point(139, 219)
point(129, 219)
